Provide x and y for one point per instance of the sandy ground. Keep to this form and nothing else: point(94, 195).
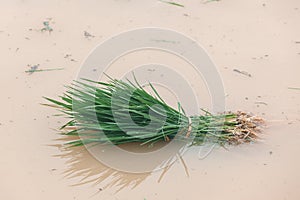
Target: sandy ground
point(260, 36)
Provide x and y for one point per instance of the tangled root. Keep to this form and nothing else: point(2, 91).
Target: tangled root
point(247, 128)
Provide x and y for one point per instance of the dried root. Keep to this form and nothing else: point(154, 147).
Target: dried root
point(246, 128)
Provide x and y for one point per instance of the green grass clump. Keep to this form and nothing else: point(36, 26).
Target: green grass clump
point(123, 112)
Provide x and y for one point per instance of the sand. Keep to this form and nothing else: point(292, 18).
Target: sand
point(259, 37)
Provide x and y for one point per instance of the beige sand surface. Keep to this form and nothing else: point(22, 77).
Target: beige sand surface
point(258, 36)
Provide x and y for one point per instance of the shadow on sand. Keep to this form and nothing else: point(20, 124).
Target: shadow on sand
point(82, 165)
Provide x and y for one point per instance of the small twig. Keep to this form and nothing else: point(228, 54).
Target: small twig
point(242, 72)
point(42, 70)
point(171, 3)
point(50, 105)
point(179, 157)
point(211, 1)
point(261, 102)
point(292, 88)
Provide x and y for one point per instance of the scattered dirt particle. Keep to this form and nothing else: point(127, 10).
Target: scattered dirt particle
point(67, 55)
point(32, 69)
point(47, 26)
point(88, 35)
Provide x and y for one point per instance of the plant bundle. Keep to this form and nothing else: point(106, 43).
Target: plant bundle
point(121, 112)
